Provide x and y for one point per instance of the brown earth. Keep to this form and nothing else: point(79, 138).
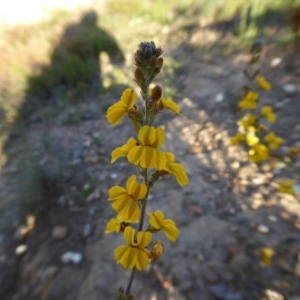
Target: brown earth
point(58, 170)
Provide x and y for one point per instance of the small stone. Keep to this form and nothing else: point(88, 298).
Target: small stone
point(235, 165)
point(71, 257)
point(273, 218)
point(263, 228)
point(113, 175)
point(87, 230)
point(59, 232)
point(275, 62)
point(21, 249)
point(220, 98)
point(273, 295)
point(289, 88)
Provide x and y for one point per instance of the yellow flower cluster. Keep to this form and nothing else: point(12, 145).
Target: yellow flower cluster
point(143, 151)
point(253, 127)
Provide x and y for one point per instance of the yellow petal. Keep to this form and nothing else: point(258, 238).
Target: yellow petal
point(144, 238)
point(160, 137)
point(129, 235)
point(116, 113)
point(131, 213)
point(148, 157)
point(128, 260)
point(161, 160)
point(123, 150)
point(119, 252)
point(142, 260)
point(131, 184)
point(134, 155)
point(129, 98)
point(155, 219)
point(116, 191)
point(170, 104)
point(170, 230)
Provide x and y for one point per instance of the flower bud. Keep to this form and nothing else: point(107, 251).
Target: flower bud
point(139, 76)
point(157, 250)
point(156, 93)
point(159, 62)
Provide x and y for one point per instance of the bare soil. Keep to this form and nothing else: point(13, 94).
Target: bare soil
point(57, 169)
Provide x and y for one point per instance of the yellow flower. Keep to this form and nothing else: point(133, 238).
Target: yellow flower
point(176, 169)
point(168, 103)
point(168, 226)
point(144, 153)
point(287, 186)
point(266, 256)
point(117, 111)
point(251, 137)
point(249, 101)
point(273, 140)
point(134, 254)
point(267, 112)
point(258, 153)
point(263, 83)
point(114, 225)
point(126, 200)
point(248, 120)
point(238, 138)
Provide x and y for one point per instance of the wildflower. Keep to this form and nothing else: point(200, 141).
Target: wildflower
point(249, 101)
point(287, 186)
point(126, 200)
point(238, 138)
point(144, 152)
point(258, 153)
point(115, 225)
point(134, 254)
point(273, 140)
point(176, 169)
point(248, 120)
point(266, 256)
point(251, 137)
point(263, 83)
point(168, 103)
point(158, 222)
point(117, 111)
point(267, 112)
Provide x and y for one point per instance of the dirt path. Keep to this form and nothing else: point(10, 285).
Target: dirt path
point(226, 214)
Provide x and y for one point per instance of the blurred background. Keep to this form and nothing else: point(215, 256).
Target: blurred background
point(62, 64)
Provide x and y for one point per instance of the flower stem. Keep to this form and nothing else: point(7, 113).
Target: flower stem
point(127, 291)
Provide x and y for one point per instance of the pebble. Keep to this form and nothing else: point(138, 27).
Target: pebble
point(289, 88)
point(59, 232)
point(275, 62)
point(263, 228)
point(220, 97)
point(273, 218)
point(71, 257)
point(113, 175)
point(87, 230)
point(21, 249)
point(273, 295)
